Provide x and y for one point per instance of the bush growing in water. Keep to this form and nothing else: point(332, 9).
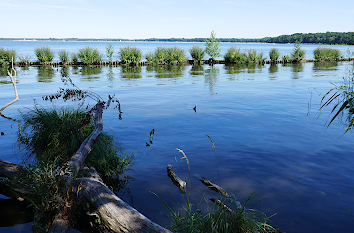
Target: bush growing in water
point(44, 55)
point(212, 46)
point(234, 55)
point(286, 59)
point(167, 56)
point(74, 58)
point(197, 54)
point(64, 56)
point(110, 52)
point(89, 56)
point(298, 54)
point(6, 56)
point(274, 55)
point(130, 55)
point(326, 54)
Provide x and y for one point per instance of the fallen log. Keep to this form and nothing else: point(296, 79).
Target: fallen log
point(181, 184)
point(214, 187)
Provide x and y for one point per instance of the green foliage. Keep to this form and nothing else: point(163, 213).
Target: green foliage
point(197, 54)
point(212, 46)
point(167, 56)
point(298, 54)
point(226, 217)
point(130, 56)
point(235, 56)
point(274, 55)
point(24, 61)
point(75, 58)
point(6, 57)
point(326, 54)
point(343, 95)
point(286, 59)
point(64, 56)
point(110, 52)
point(89, 56)
point(44, 55)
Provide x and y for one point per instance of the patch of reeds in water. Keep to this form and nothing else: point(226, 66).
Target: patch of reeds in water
point(326, 54)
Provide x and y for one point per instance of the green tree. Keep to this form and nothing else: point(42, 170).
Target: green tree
point(110, 52)
point(212, 46)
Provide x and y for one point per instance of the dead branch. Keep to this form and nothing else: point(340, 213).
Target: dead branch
point(12, 76)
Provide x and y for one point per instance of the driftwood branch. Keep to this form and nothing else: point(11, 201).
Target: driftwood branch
point(181, 184)
point(214, 187)
point(12, 76)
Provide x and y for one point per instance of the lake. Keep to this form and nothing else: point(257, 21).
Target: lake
point(271, 140)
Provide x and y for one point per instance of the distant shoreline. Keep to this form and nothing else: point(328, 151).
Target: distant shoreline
point(346, 38)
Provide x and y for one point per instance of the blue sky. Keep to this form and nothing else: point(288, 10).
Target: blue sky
point(171, 18)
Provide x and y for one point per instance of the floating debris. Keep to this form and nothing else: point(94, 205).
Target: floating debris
point(2, 133)
point(214, 187)
point(195, 108)
point(152, 132)
point(181, 184)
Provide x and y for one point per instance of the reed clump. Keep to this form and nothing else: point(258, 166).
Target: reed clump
point(274, 55)
point(44, 55)
point(167, 56)
point(197, 55)
point(326, 54)
point(64, 57)
point(89, 56)
point(235, 56)
point(130, 56)
point(7, 56)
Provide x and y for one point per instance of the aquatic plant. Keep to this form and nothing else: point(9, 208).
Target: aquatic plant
point(110, 52)
point(176, 56)
point(64, 57)
point(74, 58)
point(212, 46)
point(44, 55)
point(298, 54)
point(326, 54)
point(89, 56)
point(274, 55)
point(24, 61)
point(234, 55)
point(130, 56)
point(167, 56)
point(7, 56)
point(286, 59)
point(149, 58)
point(197, 54)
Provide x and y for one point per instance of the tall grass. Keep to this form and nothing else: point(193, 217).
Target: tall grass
point(298, 54)
point(326, 54)
point(167, 56)
point(75, 58)
point(197, 54)
point(274, 55)
point(6, 56)
point(89, 56)
point(64, 56)
point(130, 56)
point(44, 55)
point(235, 56)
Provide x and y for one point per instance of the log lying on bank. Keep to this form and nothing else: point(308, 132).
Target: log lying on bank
point(181, 184)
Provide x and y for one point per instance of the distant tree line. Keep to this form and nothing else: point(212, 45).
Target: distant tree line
point(313, 38)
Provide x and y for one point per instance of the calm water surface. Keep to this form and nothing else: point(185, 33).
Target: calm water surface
point(270, 138)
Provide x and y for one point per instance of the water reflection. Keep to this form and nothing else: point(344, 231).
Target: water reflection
point(297, 69)
point(211, 76)
point(242, 68)
point(167, 71)
point(110, 74)
point(319, 66)
point(273, 69)
point(64, 72)
point(131, 72)
point(91, 70)
point(197, 70)
point(14, 212)
point(45, 74)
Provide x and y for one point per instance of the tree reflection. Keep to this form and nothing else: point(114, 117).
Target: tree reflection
point(45, 74)
point(211, 76)
point(131, 72)
point(197, 70)
point(296, 69)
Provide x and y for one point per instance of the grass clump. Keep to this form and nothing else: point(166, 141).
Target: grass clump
point(6, 56)
point(235, 56)
point(89, 56)
point(74, 58)
point(326, 54)
point(130, 56)
point(55, 135)
point(274, 55)
point(298, 54)
point(64, 57)
point(197, 54)
point(167, 56)
point(44, 55)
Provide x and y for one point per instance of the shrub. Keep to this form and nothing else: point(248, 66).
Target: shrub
point(176, 56)
point(326, 54)
point(64, 56)
point(44, 54)
point(130, 55)
point(167, 56)
point(24, 61)
point(298, 54)
point(110, 52)
point(197, 54)
point(274, 55)
point(75, 58)
point(6, 56)
point(89, 56)
point(286, 59)
point(212, 46)
point(150, 58)
point(234, 55)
